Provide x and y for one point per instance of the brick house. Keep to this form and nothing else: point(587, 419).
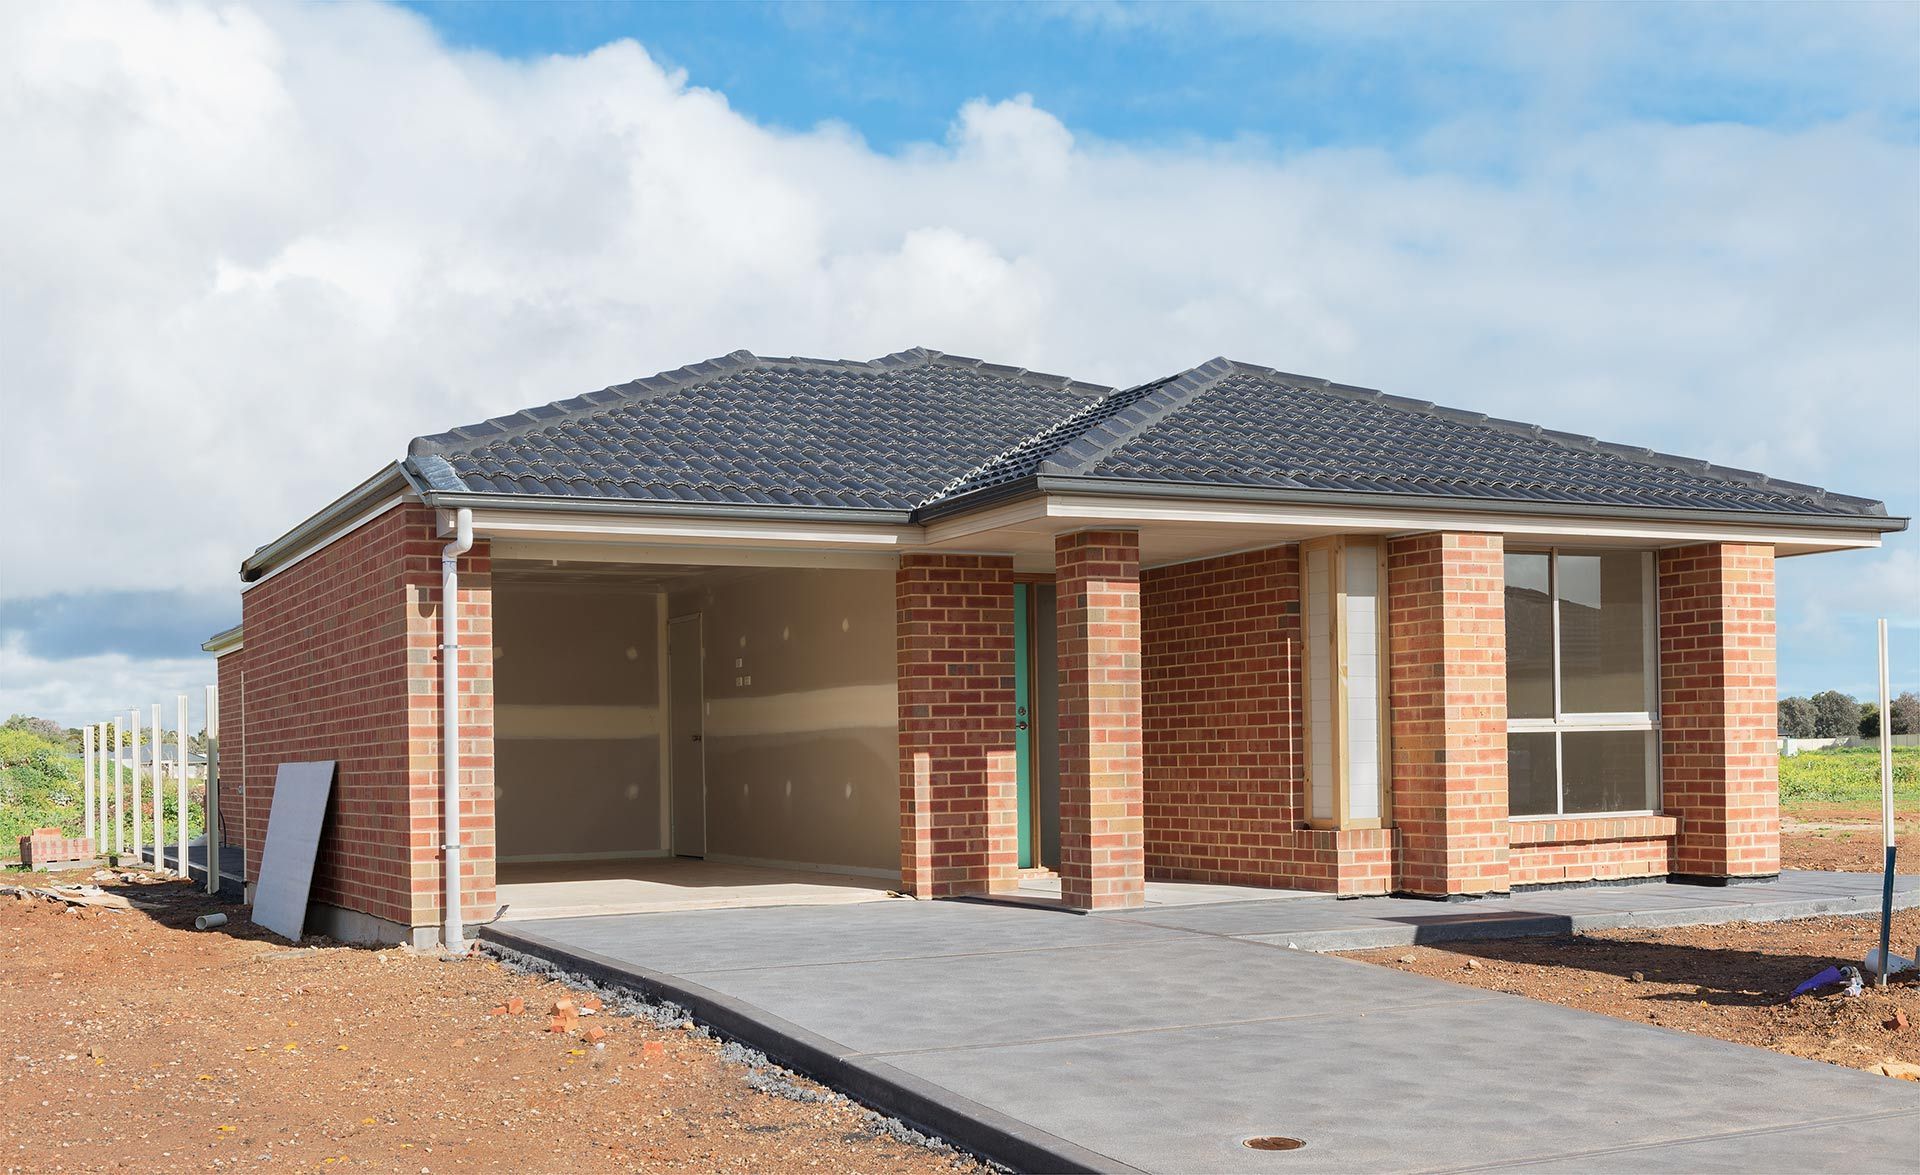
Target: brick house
point(956, 624)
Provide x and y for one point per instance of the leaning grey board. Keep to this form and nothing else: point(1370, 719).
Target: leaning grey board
point(300, 792)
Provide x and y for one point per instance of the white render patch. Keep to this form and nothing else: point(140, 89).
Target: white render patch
point(300, 794)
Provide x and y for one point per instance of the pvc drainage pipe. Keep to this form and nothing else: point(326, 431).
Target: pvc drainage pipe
point(452, 933)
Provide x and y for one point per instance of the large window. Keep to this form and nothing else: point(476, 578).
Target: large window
point(1582, 728)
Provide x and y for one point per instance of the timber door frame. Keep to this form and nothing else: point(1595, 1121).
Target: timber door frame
point(680, 625)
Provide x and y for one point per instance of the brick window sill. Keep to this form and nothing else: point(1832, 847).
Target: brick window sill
point(1577, 829)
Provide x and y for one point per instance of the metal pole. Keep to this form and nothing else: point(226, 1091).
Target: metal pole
point(180, 789)
point(213, 790)
point(119, 807)
point(86, 780)
point(1886, 806)
point(159, 795)
point(133, 761)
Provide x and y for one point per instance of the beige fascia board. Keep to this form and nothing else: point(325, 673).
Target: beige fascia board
point(223, 642)
point(1118, 510)
point(653, 529)
point(685, 554)
point(374, 496)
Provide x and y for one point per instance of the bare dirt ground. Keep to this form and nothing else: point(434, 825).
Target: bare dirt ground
point(1845, 838)
point(1729, 981)
point(135, 1042)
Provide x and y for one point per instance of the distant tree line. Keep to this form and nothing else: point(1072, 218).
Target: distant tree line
point(1836, 715)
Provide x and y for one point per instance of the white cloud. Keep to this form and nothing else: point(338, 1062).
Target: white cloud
point(257, 248)
point(87, 689)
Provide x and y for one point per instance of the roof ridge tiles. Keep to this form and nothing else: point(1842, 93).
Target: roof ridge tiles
point(1160, 400)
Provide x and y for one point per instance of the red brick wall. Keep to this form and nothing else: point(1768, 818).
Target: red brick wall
point(1220, 642)
point(341, 663)
point(1225, 776)
point(1717, 708)
point(1571, 849)
point(230, 671)
point(958, 783)
point(1448, 665)
point(1097, 587)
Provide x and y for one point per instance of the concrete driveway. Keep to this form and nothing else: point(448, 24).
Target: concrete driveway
point(1117, 1042)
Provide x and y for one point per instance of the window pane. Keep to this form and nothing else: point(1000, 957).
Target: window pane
point(1529, 638)
point(1606, 771)
point(1361, 618)
point(1530, 790)
point(1603, 637)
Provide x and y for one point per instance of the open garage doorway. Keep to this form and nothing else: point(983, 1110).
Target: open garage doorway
point(683, 735)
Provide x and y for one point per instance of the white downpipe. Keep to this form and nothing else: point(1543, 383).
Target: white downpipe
point(452, 934)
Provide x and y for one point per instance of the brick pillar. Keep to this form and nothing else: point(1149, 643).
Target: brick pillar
point(1102, 844)
point(1719, 760)
point(1447, 650)
point(427, 824)
point(959, 829)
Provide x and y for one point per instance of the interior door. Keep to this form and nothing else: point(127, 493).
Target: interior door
point(686, 724)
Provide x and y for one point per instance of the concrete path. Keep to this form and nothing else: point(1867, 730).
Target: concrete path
point(1160, 1039)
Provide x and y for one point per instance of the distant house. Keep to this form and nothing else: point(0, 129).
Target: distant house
point(955, 623)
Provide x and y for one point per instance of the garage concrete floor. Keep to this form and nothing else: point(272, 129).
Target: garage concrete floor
point(1160, 1039)
point(652, 885)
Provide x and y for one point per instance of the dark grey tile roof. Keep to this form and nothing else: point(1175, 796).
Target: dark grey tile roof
point(1233, 424)
point(920, 429)
point(745, 430)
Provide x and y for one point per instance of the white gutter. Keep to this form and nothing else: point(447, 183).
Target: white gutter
point(452, 934)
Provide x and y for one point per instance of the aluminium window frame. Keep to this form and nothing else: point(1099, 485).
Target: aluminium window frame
point(1562, 723)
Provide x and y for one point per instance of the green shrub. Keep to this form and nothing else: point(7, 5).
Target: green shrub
point(41, 787)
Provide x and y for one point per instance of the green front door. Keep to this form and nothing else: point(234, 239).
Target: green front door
point(1023, 721)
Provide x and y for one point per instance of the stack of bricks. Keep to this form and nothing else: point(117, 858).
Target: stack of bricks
point(1719, 760)
point(959, 786)
point(1102, 842)
point(1448, 663)
point(48, 846)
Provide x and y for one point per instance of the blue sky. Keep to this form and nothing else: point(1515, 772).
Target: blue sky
point(1291, 76)
point(299, 235)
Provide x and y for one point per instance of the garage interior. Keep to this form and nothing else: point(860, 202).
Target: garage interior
point(680, 736)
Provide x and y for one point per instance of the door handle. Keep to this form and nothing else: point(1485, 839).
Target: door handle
point(696, 738)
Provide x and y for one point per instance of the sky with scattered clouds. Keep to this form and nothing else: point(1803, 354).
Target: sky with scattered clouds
point(254, 248)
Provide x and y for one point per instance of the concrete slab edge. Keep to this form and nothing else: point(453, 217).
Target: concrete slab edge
point(1366, 938)
point(921, 1104)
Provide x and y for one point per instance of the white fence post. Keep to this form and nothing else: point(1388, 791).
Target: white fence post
point(180, 807)
point(213, 790)
point(119, 807)
point(159, 795)
point(86, 780)
point(109, 761)
point(133, 756)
